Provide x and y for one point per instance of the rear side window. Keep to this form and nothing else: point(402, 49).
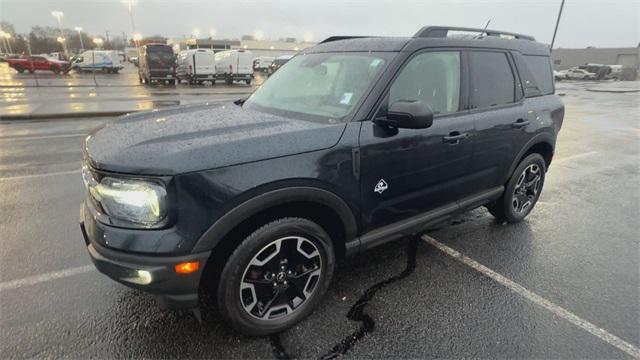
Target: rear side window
point(540, 67)
point(492, 80)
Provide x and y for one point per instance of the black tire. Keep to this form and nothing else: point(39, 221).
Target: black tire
point(19, 68)
point(248, 82)
point(512, 207)
point(233, 293)
point(229, 80)
point(55, 70)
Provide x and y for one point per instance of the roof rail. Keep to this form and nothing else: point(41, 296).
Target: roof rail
point(338, 38)
point(442, 31)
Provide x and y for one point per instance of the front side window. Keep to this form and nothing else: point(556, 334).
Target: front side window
point(433, 78)
point(323, 87)
point(492, 80)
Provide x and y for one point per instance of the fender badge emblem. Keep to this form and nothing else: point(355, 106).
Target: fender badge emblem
point(381, 186)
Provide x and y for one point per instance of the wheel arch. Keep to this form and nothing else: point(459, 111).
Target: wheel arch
point(320, 205)
point(542, 144)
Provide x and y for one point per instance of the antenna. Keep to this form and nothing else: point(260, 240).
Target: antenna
point(483, 30)
point(486, 26)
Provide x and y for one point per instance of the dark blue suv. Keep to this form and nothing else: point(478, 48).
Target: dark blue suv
point(353, 143)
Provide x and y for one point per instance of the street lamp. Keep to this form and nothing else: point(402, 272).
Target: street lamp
point(98, 42)
point(137, 37)
point(79, 30)
point(58, 15)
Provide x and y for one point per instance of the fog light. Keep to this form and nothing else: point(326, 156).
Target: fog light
point(187, 267)
point(143, 277)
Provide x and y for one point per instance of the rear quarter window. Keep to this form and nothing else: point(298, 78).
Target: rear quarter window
point(540, 68)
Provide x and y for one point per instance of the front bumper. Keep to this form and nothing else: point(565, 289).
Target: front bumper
point(153, 274)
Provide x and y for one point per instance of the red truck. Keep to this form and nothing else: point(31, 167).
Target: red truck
point(37, 62)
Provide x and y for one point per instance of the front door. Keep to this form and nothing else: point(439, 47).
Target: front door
point(407, 172)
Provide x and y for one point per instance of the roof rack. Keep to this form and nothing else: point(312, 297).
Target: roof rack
point(337, 38)
point(442, 31)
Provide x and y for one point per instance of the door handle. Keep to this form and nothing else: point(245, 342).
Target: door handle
point(520, 123)
point(454, 137)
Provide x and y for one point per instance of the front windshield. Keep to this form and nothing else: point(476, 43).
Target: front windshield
point(318, 86)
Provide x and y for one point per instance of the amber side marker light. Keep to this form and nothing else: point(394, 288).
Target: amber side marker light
point(187, 267)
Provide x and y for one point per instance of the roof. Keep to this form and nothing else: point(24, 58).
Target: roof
point(395, 44)
point(434, 36)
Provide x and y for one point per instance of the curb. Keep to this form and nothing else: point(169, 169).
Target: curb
point(64, 115)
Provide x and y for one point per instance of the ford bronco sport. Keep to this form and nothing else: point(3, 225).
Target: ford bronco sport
point(353, 143)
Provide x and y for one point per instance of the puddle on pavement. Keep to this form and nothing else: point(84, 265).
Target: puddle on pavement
point(357, 311)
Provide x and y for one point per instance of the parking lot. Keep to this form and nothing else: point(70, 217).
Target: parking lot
point(44, 93)
point(561, 284)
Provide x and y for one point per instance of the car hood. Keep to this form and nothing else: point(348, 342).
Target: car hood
point(194, 138)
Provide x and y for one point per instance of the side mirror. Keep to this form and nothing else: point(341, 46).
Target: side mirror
point(405, 114)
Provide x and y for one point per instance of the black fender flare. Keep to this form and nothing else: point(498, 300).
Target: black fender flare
point(537, 139)
point(235, 216)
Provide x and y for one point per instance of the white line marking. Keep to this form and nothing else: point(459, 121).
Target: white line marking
point(537, 299)
point(21, 177)
point(33, 280)
point(573, 157)
point(25, 138)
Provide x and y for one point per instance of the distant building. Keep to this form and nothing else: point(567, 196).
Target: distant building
point(180, 44)
point(286, 46)
point(273, 48)
point(627, 57)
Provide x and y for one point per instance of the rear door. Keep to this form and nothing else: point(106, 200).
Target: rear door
point(500, 116)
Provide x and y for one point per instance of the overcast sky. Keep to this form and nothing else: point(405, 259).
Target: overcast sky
point(599, 23)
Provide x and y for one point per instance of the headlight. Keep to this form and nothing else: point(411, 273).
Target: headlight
point(138, 202)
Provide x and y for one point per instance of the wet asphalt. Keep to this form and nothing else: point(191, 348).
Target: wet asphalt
point(579, 249)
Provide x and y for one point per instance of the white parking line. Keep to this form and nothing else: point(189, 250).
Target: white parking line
point(537, 299)
point(43, 137)
point(21, 177)
point(573, 157)
point(33, 280)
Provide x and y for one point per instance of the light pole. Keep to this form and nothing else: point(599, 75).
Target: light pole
point(79, 30)
point(129, 4)
point(5, 41)
point(58, 15)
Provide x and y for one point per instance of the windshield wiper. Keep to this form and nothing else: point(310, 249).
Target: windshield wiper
point(240, 102)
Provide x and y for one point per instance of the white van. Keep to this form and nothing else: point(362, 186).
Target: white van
point(234, 65)
point(196, 66)
point(105, 60)
point(262, 63)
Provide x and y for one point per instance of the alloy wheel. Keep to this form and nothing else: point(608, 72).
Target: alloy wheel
point(280, 278)
point(526, 189)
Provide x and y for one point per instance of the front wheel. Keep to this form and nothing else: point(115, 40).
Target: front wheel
point(19, 69)
point(522, 190)
point(276, 276)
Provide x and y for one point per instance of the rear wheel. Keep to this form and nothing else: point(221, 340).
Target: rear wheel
point(522, 190)
point(276, 276)
point(229, 80)
point(19, 68)
point(248, 82)
point(55, 70)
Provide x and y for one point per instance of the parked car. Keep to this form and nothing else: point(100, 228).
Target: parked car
point(134, 61)
point(38, 62)
point(196, 66)
point(157, 63)
point(104, 60)
point(262, 63)
point(559, 75)
point(580, 74)
point(355, 143)
point(234, 65)
point(278, 62)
